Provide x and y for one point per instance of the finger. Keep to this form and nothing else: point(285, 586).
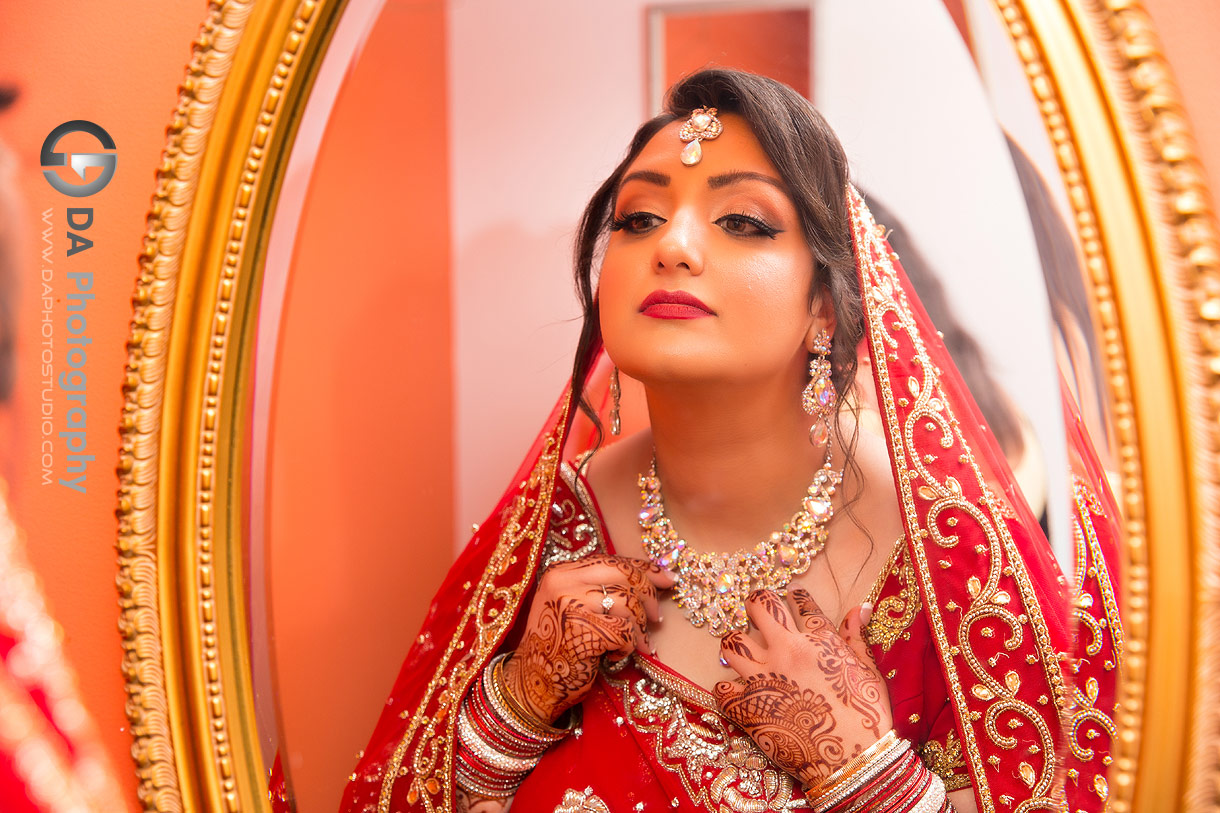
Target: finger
point(810, 615)
point(639, 586)
point(617, 600)
point(661, 578)
point(852, 632)
point(602, 569)
point(657, 577)
point(767, 611)
point(594, 634)
point(738, 652)
point(727, 690)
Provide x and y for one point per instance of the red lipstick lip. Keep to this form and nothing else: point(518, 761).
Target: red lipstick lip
point(674, 305)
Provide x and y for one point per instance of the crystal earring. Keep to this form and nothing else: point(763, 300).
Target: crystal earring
point(818, 398)
point(616, 425)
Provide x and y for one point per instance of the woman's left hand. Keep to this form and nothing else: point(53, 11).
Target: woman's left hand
point(809, 695)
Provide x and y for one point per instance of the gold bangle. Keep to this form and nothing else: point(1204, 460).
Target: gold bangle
point(521, 715)
point(844, 775)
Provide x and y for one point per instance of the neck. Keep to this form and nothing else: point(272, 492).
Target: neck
point(735, 463)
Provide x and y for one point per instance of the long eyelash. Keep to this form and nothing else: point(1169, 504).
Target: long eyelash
point(763, 228)
point(622, 221)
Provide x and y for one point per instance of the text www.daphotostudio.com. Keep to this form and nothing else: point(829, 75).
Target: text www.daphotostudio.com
point(63, 364)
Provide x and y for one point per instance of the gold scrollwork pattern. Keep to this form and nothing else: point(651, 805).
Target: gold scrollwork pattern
point(429, 736)
point(1090, 722)
point(721, 768)
point(996, 694)
point(581, 801)
point(893, 614)
point(946, 761)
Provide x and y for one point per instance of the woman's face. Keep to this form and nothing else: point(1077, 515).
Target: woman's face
point(706, 274)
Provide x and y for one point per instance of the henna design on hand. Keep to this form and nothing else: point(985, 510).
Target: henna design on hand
point(794, 727)
point(556, 663)
point(737, 643)
point(633, 571)
point(773, 605)
point(854, 682)
point(623, 597)
point(812, 617)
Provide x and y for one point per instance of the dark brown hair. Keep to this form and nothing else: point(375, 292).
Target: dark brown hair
point(810, 161)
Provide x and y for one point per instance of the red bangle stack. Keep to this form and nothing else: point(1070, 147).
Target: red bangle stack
point(499, 742)
point(886, 778)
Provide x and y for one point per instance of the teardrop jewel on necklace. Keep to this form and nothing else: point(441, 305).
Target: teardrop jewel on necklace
point(711, 588)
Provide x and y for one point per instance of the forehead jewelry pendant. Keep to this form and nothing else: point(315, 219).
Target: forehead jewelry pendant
point(701, 126)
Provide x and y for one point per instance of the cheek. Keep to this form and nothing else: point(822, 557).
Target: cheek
point(774, 296)
point(617, 290)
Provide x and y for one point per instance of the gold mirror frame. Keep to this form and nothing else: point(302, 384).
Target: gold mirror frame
point(1141, 208)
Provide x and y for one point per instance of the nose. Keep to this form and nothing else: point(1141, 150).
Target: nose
point(680, 245)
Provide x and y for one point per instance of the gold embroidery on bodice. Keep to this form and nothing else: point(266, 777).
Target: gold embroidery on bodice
point(581, 801)
point(720, 767)
point(893, 614)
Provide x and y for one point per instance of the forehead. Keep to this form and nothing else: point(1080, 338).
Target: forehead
point(735, 149)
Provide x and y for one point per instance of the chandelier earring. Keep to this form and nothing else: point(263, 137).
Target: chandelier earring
point(819, 396)
point(616, 424)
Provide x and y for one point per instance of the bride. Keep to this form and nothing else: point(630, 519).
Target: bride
point(754, 603)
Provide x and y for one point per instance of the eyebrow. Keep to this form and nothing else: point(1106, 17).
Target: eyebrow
point(658, 178)
point(714, 182)
point(728, 178)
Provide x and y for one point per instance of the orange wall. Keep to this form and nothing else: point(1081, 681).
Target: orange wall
point(118, 65)
point(360, 511)
point(774, 43)
point(1190, 35)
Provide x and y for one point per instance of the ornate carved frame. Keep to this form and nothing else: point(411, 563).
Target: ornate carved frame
point(1152, 246)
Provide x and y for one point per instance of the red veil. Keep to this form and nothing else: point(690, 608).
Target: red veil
point(988, 586)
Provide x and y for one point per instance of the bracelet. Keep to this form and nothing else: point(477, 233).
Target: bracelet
point(874, 757)
point(888, 777)
point(512, 711)
point(498, 741)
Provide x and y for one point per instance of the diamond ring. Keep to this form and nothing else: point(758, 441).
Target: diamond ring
point(607, 601)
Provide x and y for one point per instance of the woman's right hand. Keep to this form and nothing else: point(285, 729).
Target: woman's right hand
point(568, 630)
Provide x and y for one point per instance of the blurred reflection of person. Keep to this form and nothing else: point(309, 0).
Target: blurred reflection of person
point(748, 603)
point(1076, 345)
point(50, 757)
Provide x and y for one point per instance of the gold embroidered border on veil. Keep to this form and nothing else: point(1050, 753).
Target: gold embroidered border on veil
point(992, 594)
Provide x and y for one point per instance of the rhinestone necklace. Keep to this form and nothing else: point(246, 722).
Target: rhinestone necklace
point(712, 587)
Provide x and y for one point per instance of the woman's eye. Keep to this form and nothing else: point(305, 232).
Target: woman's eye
point(746, 226)
point(635, 222)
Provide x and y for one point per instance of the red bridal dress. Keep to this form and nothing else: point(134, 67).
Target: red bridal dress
point(973, 627)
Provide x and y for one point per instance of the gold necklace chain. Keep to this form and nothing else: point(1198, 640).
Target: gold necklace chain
point(711, 588)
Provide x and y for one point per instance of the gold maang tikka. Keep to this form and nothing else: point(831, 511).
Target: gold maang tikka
point(701, 126)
